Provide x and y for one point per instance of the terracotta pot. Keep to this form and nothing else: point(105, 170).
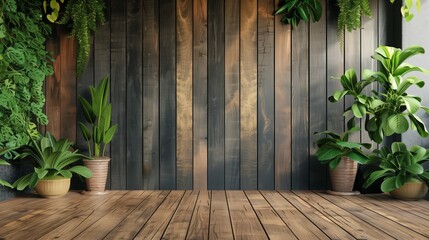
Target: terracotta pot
point(410, 191)
point(53, 188)
point(96, 185)
point(344, 175)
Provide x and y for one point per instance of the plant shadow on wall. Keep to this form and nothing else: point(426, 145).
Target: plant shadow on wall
point(391, 110)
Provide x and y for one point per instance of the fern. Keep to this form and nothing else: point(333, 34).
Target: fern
point(84, 16)
point(350, 15)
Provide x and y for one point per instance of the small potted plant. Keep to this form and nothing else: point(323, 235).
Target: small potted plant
point(51, 161)
point(401, 170)
point(98, 114)
point(343, 157)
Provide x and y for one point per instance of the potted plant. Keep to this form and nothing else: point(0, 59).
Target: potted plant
point(51, 161)
point(401, 170)
point(294, 11)
point(343, 157)
point(98, 114)
point(391, 110)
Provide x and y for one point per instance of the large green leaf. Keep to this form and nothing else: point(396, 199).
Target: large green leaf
point(414, 168)
point(399, 147)
point(412, 104)
point(359, 109)
point(419, 125)
point(374, 176)
point(328, 152)
point(85, 132)
point(5, 184)
point(82, 171)
point(87, 110)
point(108, 136)
point(389, 184)
point(349, 144)
point(358, 157)
point(398, 123)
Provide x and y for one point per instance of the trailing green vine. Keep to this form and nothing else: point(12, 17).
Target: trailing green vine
point(350, 15)
point(24, 64)
point(84, 16)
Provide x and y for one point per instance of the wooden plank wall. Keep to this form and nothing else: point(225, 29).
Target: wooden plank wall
point(212, 94)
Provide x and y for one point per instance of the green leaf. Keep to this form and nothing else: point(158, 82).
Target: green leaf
point(109, 134)
point(334, 163)
point(414, 168)
point(5, 184)
point(398, 123)
point(419, 125)
point(399, 147)
point(85, 132)
point(349, 145)
point(87, 110)
point(359, 110)
point(358, 157)
point(389, 184)
point(303, 13)
point(327, 153)
point(82, 171)
point(66, 173)
point(374, 176)
point(412, 104)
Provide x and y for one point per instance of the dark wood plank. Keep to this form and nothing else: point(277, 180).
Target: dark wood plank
point(135, 221)
point(294, 218)
point(118, 63)
point(134, 107)
point(331, 230)
point(270, 220)
point(216, 95)
point(220, 222)
point(156, 225)
point(300, 114)
point(52, 86)
point(389, 226)
point(200, 94)
point(167, 101)
point(283, 107)
point(199, 225)
point(266, 94)
point(232, 95)
point(68, 88)
point(184, 94)
point(353, 225)
point(245, 223)
point(318, 99)
point(248, 94)
point(150, 95)
point(179, 225)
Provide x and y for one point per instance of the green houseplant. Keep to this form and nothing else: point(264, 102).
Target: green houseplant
point(98, 113)
point(401, 170)
point(294, 11)
point(342, 156)
point(24, 65)
point(51, 161)
point(392, 109)
point(4, 163)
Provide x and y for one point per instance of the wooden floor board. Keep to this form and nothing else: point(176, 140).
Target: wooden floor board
point(216, 214)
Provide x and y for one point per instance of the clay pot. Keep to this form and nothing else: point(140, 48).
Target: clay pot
point(53, 188)
point(410, 191)
point(96, 185)
point(344, 175)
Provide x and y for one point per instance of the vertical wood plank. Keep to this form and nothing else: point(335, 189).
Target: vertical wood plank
point(134, 95)
point(283, 101)
point(265, 94)
point(318, 99)
point(232, 95)
point(68, 88)
point(184, 94)
point(150, 95)
point(118, 63)
point(102, 60)
point(167, 101)
point(216, 95)
point(300, 148)
point(200, 94)
point(248, 97)
point(52, 86)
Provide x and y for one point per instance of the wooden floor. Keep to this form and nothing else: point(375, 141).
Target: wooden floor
point(213, 215)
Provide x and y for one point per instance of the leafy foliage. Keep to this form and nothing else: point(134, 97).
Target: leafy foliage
point(84, 16)
point(4, 162)
point(406, 9)
point(24, 64)
point(350, 15)
point(50, 158)
point(51, 9)
point(296, 10)
point(98, 115)
point(334, 146)
point(390, 110)
point(398, 166)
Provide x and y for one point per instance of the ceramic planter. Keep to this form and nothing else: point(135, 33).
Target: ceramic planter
point(96, 185)
point(410, 191)
point(53, 188)
point(343, 177)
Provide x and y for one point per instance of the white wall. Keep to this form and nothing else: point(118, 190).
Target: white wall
point(416, 32)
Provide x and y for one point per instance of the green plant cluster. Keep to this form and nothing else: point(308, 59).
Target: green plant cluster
point(24, 64)
point(84, 16)
point(296, 10)
point(350, 15)
point(50, 159)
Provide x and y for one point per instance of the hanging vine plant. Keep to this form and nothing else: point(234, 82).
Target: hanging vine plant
point(350, 15)
point(83, 16)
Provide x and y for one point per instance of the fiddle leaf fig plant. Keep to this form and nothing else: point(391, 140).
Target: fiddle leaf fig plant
point(398, 165)
point(391, 110)
point(98, 115)
point(335, 146)
point(296, 10)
